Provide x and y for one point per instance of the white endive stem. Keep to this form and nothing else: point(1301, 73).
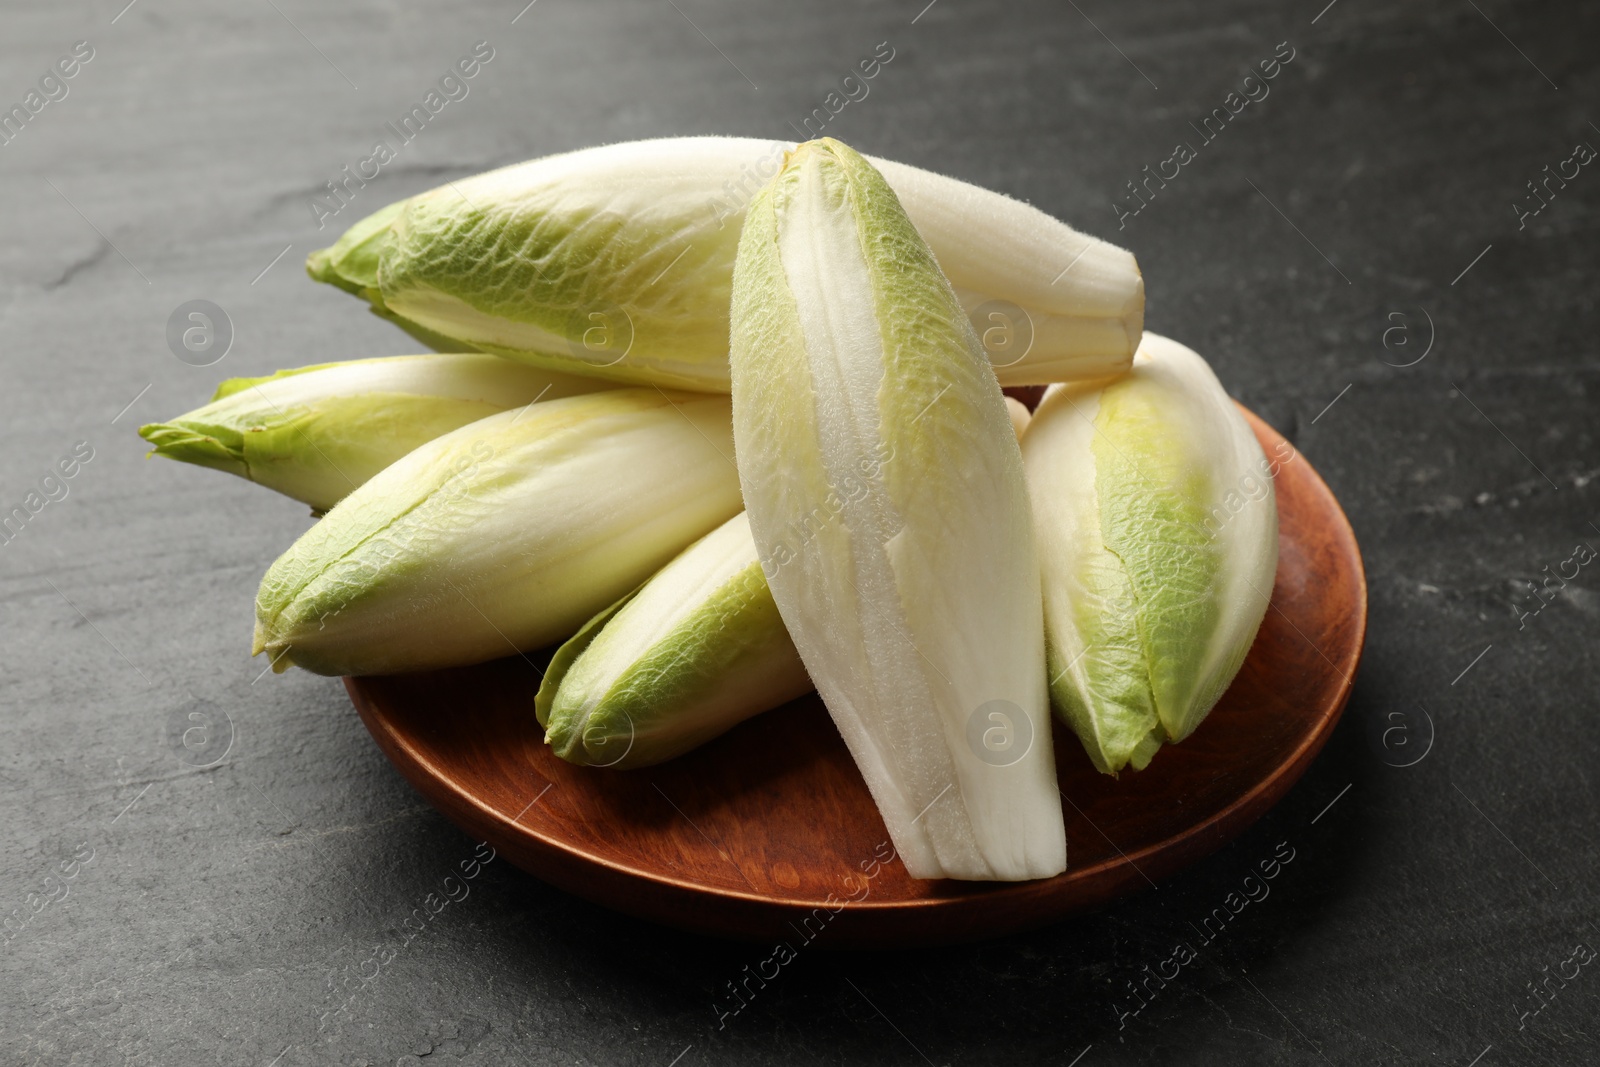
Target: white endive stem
point(885, 494)
point(1064, 305)
point(504, 535)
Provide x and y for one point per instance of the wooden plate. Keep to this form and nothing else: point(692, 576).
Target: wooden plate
point(769, 832)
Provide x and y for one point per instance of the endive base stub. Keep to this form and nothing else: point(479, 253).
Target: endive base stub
point(769, 834)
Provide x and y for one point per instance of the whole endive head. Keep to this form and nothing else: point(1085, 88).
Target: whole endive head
point(1154, 586)
point(617, 261)
point(502, 536)
point(885, 492)
point(696, 650)
point(316, 433)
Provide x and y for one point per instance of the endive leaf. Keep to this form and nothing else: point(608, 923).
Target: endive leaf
point(563, 658)
point(352, 262)
point(886, 497)
point(501, 536)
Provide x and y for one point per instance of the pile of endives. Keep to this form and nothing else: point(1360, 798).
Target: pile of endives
point(721, 465)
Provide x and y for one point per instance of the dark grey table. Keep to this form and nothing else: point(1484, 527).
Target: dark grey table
point(1358, 252)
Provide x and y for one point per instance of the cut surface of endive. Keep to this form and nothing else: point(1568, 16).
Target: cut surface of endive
point(316, 433)
point(695, 651)
point(1153, 586)
point(502, 536)
point(616, 261)
point(886, 498)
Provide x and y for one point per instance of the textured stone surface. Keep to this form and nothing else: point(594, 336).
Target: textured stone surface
point(225, 911)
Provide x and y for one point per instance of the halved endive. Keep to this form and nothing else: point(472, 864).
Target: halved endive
point(616, 261)
point(1151, 601)
point(694, 652)
point(886, 497)
point(504, 535)
point(316, 433)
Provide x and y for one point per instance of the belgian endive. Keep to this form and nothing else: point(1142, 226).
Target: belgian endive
point(616, 261)
point(886, 498)
point(697, 650)
point(504, 535)
point(1153, 589)
point(316, 433)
